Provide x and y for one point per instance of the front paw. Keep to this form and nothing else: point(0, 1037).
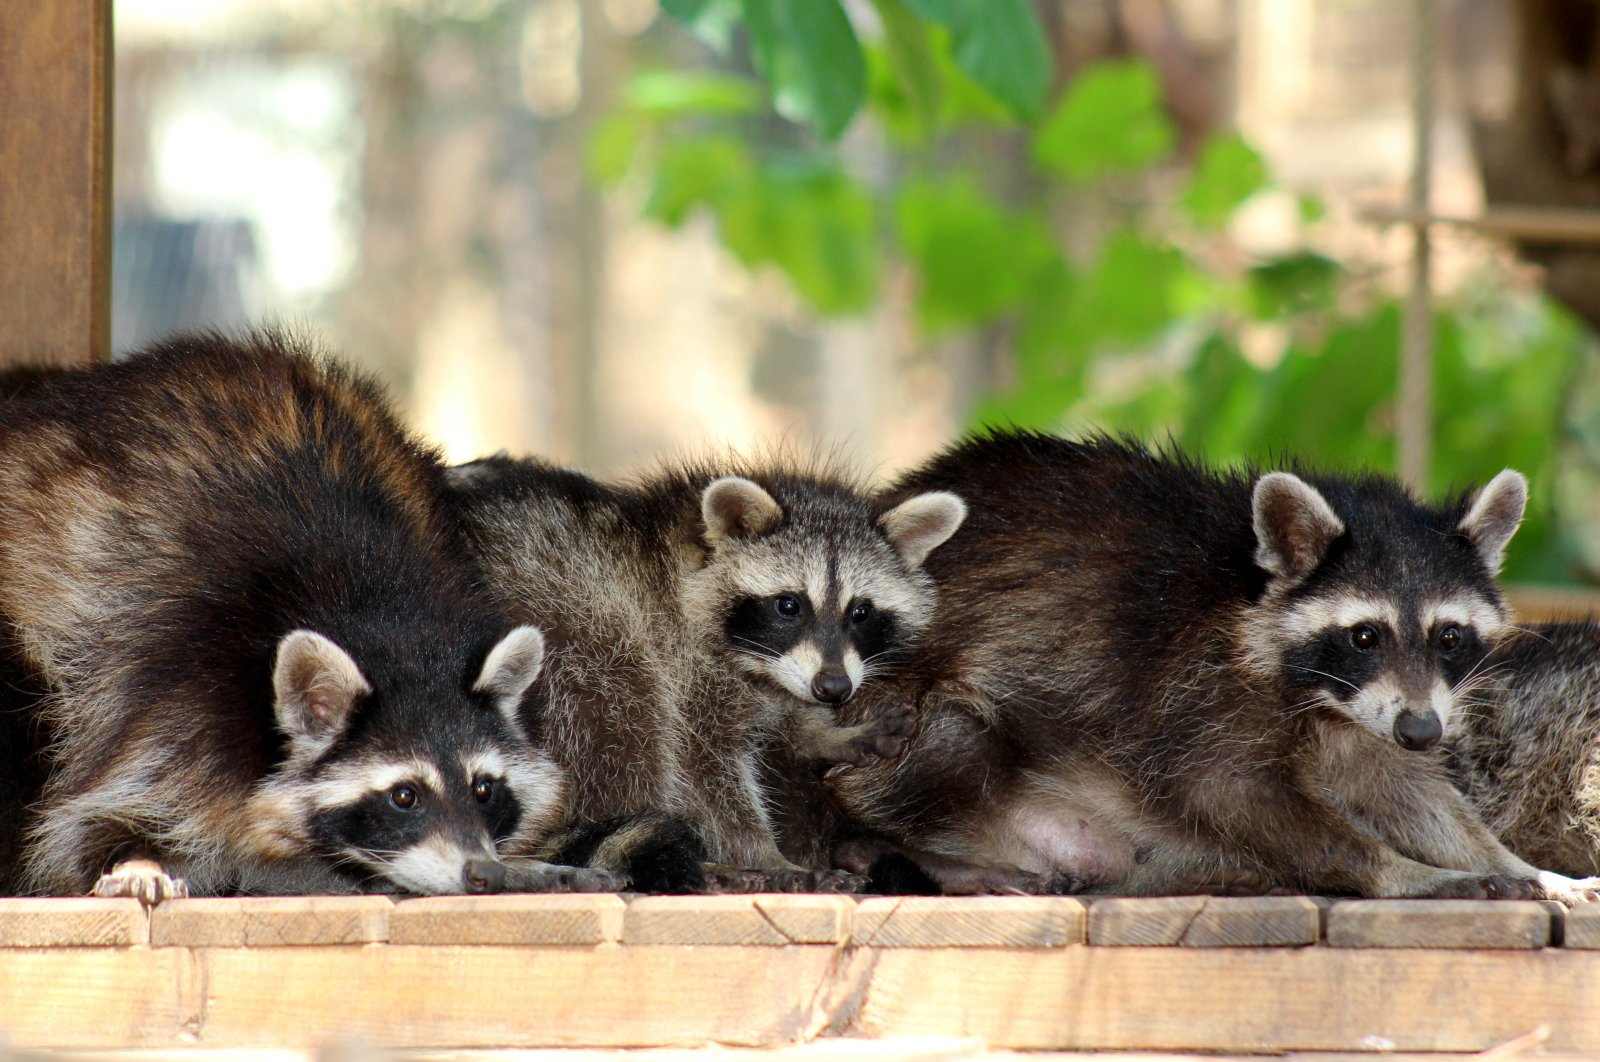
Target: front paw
point(721, 879)
point(883, 738)
point(555, 877)
point(1486, 887)
point(140, 879)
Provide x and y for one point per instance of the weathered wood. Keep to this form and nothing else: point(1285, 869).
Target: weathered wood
point(275, 921)
point(579, 919)
point(1255, 921)
point(763, 919)
point(1143, 921)
point(55, 200)
point(971, 921)
point(72, 923)
point(1438, 924)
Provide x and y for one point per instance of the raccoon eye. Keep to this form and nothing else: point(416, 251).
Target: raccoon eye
point(1364, 636)
point(1450, 639)
point(787, 605)
point(403, 797)
point(482, 790)
point(861, 612)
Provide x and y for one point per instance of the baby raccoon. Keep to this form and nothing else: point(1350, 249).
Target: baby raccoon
point(1146, 677)
point(697, 613)
point(1528, 751)
point(259, 656)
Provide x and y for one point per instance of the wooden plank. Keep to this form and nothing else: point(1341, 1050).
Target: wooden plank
point(96, 997)
point(969, 921)
point(1234, 999)
point(55, 199)
point(72, 922)
point(1142, 921)
point(1438, 924)
point(1255, 921)
point(755, 919)
point(577, 919)
point(271, 921)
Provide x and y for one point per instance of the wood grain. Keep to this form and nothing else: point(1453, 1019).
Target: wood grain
point(71, 922)
point(585, 919)
point(1438, 924)
point(275, 921)
point(969, 921)
point(55, 201)
point(759, 919)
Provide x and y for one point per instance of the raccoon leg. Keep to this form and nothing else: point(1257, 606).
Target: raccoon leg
point(817, 736)
point(141, 879)
point(897, 870)
point(531, 875)
point(655, 854)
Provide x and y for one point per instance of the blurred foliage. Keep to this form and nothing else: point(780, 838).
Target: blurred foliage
point(978, 182)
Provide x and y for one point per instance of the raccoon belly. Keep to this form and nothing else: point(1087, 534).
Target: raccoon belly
point(1048, 835)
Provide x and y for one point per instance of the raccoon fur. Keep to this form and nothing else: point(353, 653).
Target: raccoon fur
point(264, 660)
point(694, 615)
point(1148, 677)
point(1528, 752)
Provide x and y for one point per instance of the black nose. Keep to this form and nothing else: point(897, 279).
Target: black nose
point(1417, 730)
point(831, 687)
point(483, 875)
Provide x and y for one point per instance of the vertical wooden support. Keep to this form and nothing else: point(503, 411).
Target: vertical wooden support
point(1414, 417)
point(55, 181)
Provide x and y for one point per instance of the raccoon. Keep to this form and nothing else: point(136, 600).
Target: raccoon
point(694, 615)
point(1528, 752)
point(264, 661)
point(1148, 677)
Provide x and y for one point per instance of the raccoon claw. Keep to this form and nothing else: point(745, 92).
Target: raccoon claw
point(1487, 887)
point(142, 880)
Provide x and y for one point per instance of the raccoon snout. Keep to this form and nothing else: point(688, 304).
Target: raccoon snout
point(1417, 730)
point(832, 687)
point(483, 875)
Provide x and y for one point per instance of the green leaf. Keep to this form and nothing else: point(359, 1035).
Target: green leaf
point(809, 54)
point(815, 223)
point(1228, 172)
point(1135, 290)
point(710, 20)
point(692, 172)
point(912, 59)
point(1000, 45)
point(1299, 283)
point(612, 144)
point(974, 260)
point(669, 93)
point(1110, 119)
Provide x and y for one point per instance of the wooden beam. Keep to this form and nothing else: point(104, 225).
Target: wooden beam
point(55, 181)
point(1533, 224)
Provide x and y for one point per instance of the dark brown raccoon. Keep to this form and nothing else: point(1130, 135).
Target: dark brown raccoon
point(265, 662)
point(1146, 676)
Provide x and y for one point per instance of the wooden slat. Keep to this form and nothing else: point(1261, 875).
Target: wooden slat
point(1439, 924)
point(760, 920)
point(968, 922)
point(276, 921)
point(72, 923)
point(578, 919)
point(1157, 920)
point(55, 160)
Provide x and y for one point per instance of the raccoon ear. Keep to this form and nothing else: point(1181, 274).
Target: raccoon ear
point(922, 523)
point(510, 668)
point(315, 684)
point(734, 507)
point(1493, 515)
point(1294, 525)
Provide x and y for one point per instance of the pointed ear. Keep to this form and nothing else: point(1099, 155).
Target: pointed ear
point(315, 684)
point(734, 507)
point(1493, 515)
point(510, 669)
point(1294, 525)
point(922, 523)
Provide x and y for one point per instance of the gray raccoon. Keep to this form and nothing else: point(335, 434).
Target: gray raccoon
point(1528, 751)
point(1146, 677)
point(262, 660)
point(694, 615)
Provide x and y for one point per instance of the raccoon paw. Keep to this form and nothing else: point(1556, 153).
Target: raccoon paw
point(142, 880)
point(721, 878)
point(883, 738)
point(1486, 887)
point(554, 877)
point(1568, 891)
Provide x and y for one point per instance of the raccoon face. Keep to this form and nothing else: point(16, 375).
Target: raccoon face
point(1387, 618)
point(810, 597)
point(409, 790)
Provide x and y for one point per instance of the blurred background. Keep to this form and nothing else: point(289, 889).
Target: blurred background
point(608, 230)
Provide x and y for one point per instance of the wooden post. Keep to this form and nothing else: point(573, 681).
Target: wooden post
point(55, 181)
point(1414, 417)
